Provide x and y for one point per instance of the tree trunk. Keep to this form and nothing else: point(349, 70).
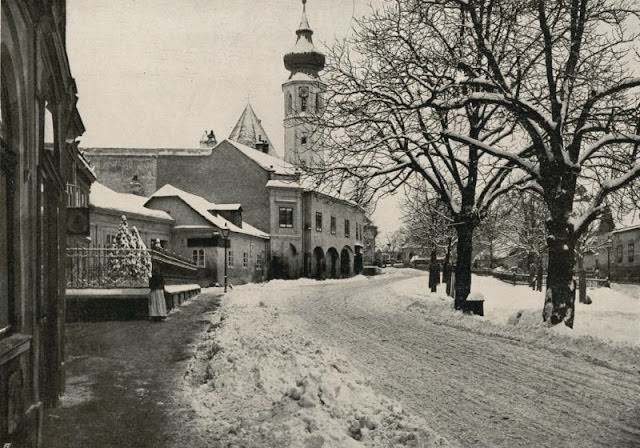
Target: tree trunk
point(582, 281)
point(491, 254)
point(446, 270)
point(463, 262)
point(539, 273)
point(559, 304)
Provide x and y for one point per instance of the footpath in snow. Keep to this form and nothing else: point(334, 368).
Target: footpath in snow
point(259, 379)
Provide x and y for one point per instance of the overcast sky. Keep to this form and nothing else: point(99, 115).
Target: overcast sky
point(157, 73)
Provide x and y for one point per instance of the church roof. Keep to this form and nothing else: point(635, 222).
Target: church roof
point(248, 130)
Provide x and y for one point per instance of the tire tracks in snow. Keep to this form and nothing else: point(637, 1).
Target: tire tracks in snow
point(476, 389)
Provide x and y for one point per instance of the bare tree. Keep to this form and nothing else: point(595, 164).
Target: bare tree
point(427, 221)
point(563, 74)
point(381, 129)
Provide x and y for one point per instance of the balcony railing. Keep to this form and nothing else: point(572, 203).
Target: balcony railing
point(76, 196)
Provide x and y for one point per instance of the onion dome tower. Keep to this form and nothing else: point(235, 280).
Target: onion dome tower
point(303, 93)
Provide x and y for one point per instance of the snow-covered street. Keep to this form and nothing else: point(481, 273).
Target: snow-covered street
point(379, 362)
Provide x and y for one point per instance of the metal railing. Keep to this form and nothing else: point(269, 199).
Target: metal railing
point(523, 279)
point(114, 268)
point(105, 268)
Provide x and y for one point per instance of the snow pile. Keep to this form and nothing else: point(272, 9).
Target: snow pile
point(257, 379)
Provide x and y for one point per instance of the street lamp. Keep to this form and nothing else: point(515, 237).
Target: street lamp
point(225, 236)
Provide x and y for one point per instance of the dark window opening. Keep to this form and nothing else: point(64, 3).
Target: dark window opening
point(286, 217)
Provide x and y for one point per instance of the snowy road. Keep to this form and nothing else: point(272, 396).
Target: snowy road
point(302, 363)
point(475, 389)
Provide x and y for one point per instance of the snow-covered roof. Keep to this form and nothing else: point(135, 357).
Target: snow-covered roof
point(105, 198)
point(134, 152)
point(203, 207)
point(302, 76)
point(191, 227)
point(266, 161)
point(626, 229)
point(225, 207)
point(279, 183)
point(628, 220)
point(86, 164)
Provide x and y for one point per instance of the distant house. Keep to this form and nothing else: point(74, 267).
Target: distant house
point(626, 254)
point(107, 206)
point(197, 234)
point(616, 251)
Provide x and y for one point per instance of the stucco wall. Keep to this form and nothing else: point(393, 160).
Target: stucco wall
point(106, 222)
point(225, 176)
point(117, 171)
point(286, 242)
point(213, 271)
point(325, 241)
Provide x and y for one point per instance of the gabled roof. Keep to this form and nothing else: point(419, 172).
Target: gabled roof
point(203, 207)
point(105, 198)
point(248, 130)
point(266, 161)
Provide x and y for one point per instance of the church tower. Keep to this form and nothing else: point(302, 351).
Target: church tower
point(303, 94)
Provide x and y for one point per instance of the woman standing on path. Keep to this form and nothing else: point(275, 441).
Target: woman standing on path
point(157, 304)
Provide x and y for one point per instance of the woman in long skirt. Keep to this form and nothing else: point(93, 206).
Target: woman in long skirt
point(157, 304)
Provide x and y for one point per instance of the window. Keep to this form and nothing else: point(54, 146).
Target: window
point(631, 250)
point(197, 257)
point(303, 140)
point(259, 261)
point(347, 228)
point(109, 240)
point(357, 231)
point(318, 222)
point(230, 258)
point(619, 254)
point(333, 225)
point(49, 133)
point(245, 260)
point(303, 104)
point(286, 217)
point(289, 104)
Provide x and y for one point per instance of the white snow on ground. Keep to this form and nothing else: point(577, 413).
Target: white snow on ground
point(613, 317)
point(259, 380)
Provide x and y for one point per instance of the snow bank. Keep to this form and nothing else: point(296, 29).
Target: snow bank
point(608, 329)
point(259, 380)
